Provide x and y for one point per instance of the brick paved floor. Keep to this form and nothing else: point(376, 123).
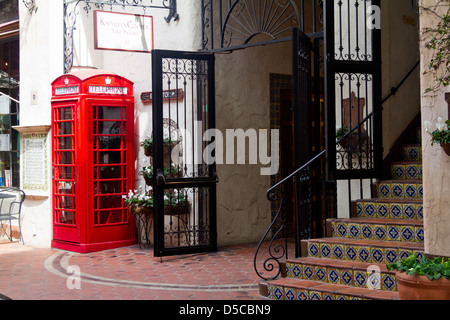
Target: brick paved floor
point(127, 273)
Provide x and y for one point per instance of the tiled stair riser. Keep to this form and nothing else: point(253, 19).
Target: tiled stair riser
point(389, 232)
point(371, 278)
point(400, 190)
point(412, 153)
point(406, 171)
point(396, 210)
point(286, 293)
point(364, 254)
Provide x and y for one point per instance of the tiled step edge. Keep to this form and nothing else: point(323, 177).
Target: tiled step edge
point(400, 189)
point(377, 229)
point(293, 289)
point(412, 152)
point(407, 170)
point(368, 251)
point(388, 208)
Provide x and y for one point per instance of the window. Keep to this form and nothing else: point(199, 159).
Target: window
point(9, 112)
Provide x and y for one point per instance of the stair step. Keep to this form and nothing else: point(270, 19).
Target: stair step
point(408, 230)
point(359, 250)
point(390, 208)
point(350, 273)
point(412, 152)
point(407, 170)
point(294, 289)
point(400, 189)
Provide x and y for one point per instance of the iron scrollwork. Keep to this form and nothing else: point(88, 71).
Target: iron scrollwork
point(277, 249)
point(30, 5)
point(71, 11)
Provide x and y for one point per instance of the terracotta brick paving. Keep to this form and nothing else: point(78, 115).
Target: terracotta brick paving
point(28, 273)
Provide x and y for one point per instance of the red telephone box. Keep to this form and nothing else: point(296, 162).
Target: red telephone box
point(93, 161)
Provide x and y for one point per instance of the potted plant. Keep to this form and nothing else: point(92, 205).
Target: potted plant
point(139, 202)
point(422, 280)
point(176, 203)
point(441, 135)
point(352, 140)
point(168, 144)
point(148, 174)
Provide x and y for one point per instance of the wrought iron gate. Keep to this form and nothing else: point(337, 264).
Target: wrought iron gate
point(185, 180)
point(353, 89)
point(302, 111)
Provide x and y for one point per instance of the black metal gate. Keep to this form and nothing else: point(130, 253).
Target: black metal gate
point(302, 111)
point(353, 89)
point(185, 185)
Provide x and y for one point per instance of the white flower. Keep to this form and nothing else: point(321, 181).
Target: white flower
point(440, 125)
point(427, 126)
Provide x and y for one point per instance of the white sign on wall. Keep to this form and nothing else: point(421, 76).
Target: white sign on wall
point(123, 31)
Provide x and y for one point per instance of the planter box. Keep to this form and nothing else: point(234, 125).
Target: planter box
point(420, 288)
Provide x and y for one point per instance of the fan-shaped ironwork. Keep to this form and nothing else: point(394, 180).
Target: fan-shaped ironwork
point(247, 19)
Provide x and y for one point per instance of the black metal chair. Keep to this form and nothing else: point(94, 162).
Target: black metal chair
point(11, 200)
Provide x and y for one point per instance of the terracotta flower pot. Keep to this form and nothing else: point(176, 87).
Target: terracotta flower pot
point(446, 147)
point(420, 288)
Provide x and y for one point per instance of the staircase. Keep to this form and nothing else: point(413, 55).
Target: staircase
point(351, 262)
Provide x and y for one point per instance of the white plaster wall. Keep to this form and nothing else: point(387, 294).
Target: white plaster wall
point(436, 164)
point(243, 101)
point(41, 61)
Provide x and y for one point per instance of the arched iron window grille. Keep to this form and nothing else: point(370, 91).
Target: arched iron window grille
point(236, 24)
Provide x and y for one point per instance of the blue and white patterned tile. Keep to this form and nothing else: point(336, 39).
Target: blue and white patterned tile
point(398, 191)
point(320, 273)
point(388, 282)
point(407, 233)
point(313, 249)
point(346, 277)
point(384, 190)
point(363, 254)
point(340, 230)
point(379, 232)
point(354, 230)
point(338, 251)
point(351, 253)
point(409, 210)
point(393, 233)
point(309, 272)
point(360, 278)
point(326, 250)
point(302, 294)
point(396, 211)
point(382, 210)
point(391, 255)
point(419, 234)
point(370, 209)
point(289, 294)
point(377, 255)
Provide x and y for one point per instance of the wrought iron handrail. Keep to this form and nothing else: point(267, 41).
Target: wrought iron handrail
point(279, 251)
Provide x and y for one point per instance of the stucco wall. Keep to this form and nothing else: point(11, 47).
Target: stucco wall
point(436, 164)
point(41, 61)
point(243, 102)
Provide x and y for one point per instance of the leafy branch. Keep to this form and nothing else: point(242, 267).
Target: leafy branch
point(438, 40)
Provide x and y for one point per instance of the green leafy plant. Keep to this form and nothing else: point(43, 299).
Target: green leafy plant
point(441, 134)
point(342, 131)
point(139, 198)
point(439, 42)
point(148, 143)
point(175, 198)
point(432, 269)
